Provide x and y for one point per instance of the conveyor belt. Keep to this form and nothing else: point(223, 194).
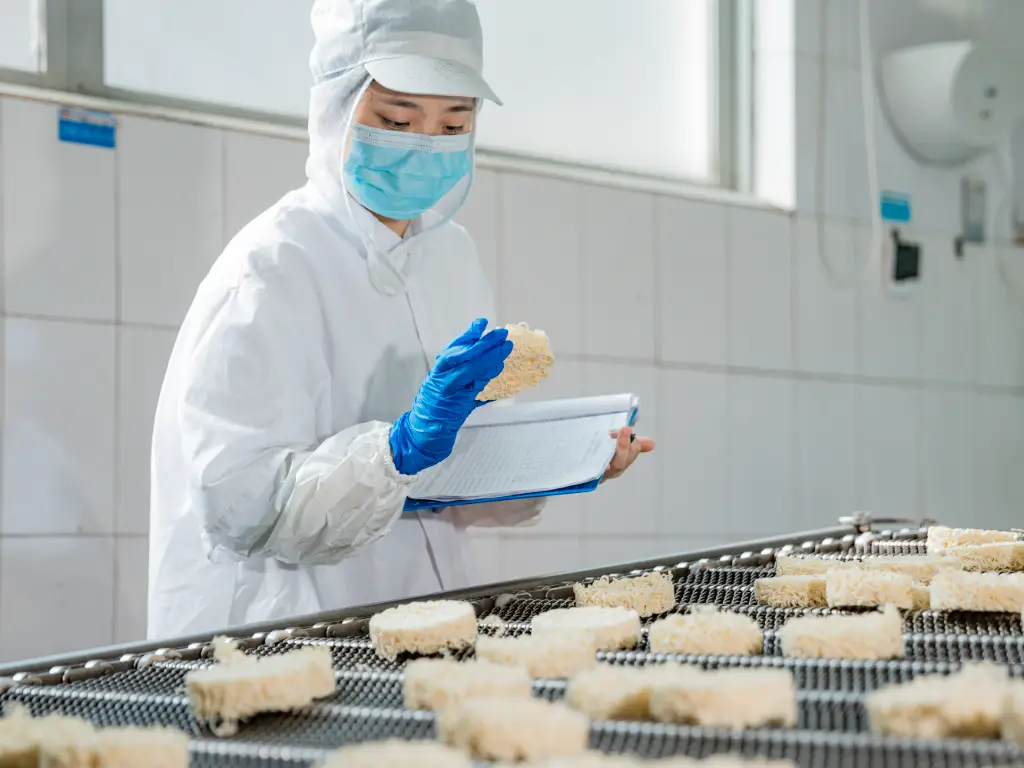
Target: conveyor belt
point(831, 731)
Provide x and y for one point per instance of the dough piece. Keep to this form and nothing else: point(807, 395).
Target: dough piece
point(423, 628)
point(962, 591)
point(526, 366)
point(494, 728)
point(798, 591)
point(877, 635)
point(436, 683)
point(706, 630)
point(940, 538)
point(549, 655)
point(921, 568)
point(648, 595)
point(612, 629)
point(791, 565)
point(128, 747)
point(1006, 557)
point(967, 704)
point(922, 597)
point(858, 588)
point(397, 754)
point(23, 737)
point(609, 692)
point(1012, 717)
point(599, 760)
point(241, 686)
point(726, 698)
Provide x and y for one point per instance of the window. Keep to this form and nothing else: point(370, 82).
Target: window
point(22, 44)
point(650, 87)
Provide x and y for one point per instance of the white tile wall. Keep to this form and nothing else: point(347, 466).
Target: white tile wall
point(170, 215)
point(56, 595)
point(780, 394)
point(65, 270)
point(58, 432)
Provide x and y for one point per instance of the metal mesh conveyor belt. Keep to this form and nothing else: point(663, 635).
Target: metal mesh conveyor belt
point(146, 687)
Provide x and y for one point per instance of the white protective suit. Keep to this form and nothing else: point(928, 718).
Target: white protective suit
point(274, 493)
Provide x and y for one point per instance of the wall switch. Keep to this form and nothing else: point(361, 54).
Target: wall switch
point(972, 210)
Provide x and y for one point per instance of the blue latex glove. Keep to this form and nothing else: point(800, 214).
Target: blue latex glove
point(425, 435)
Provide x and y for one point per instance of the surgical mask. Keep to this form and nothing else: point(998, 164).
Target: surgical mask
point(401, 175)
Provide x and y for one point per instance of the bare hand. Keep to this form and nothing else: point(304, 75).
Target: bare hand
point(627, 448)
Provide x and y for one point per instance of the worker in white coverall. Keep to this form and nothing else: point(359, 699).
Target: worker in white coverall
point(316, 373)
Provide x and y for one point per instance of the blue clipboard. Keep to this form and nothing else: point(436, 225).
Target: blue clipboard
point(419, 505)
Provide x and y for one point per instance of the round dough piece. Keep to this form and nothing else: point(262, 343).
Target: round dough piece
point(423, 628)
point(550, 656)
point(648, 595)
point(436, 683)
point(512, 729)
point(612, 629)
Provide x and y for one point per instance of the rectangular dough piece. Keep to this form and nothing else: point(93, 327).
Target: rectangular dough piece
point(968, 704)
point(726, 698)
point(797, 591)
point(706, 630)
point(1006, 557)
point(921, 568)
point(940, 538)
point(648, 595)
point(963, 591)
point(547, 656)
point(128, 747)
point(241, 686)
point(609, 692)
point(858, 588)
point(811, 565)
point(877, 635)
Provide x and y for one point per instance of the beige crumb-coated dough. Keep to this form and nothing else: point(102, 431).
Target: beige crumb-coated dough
point(241, 686)
point(967, 704)
point(804, 590)
point(726, 698)
point(920, 568)
point(875, 635)
point(999, 556)
point(965, 591)
point(648, 594)
point(551, 656)
point(597, 760)
point(396, 753)
point(612, 629)
point(436, 683)
point(608, 692)
point(859, 588)
point(922, 597)
point(941, 538)
point(502, 728)
point(793, 565)
point(424, 628)
point(527, 365)
point(23, 738)
point(705, 629)
point(1011, 719)
point(128, 747)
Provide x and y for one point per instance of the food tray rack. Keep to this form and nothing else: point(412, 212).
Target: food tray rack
point(143, 683)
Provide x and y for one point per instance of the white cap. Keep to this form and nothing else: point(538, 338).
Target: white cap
point(426, 47)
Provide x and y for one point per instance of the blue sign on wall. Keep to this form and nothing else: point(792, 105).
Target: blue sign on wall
point(895, 207)
point(83, 126)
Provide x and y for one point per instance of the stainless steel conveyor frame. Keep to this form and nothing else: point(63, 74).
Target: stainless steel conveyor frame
point(143, 683)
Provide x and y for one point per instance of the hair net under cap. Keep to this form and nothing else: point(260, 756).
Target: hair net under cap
point(414, 46)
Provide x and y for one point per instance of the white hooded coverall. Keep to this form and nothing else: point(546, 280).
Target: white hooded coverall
point(274, 493)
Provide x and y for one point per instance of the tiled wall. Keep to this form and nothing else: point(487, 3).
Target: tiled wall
point(782, 394)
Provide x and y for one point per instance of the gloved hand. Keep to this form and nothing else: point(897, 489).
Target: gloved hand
point(425, 435)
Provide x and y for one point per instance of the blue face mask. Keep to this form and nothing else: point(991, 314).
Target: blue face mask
point(402, 175)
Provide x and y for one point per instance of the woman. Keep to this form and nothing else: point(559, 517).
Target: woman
point(314, 374)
